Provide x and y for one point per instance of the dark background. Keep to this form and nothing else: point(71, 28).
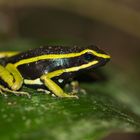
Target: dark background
point(112, 25)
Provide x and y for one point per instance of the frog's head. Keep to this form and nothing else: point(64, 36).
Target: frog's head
point(92, 57)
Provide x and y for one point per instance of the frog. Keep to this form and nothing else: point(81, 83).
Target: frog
point(48, 65)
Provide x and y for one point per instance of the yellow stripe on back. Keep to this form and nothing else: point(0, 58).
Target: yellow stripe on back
point(56, 56)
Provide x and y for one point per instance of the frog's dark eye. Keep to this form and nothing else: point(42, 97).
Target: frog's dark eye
point(89, 57)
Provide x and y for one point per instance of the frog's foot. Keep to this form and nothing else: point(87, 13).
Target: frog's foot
point(22, 93)
point(2, 93)
point(70, 95)
point(43, 90)
point(4, 90)
point(72, 87)
point(83, 91)
point(53, 95)
point(76, 88)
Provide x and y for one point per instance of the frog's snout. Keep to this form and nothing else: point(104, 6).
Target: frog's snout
point(107, 60)
point(103, 61)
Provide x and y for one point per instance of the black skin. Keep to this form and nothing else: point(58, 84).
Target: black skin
point(37, 69)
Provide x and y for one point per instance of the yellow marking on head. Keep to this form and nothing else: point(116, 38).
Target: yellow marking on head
point(56, 56)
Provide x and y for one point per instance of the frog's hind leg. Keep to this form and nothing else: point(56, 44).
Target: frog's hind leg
point(12, 78)
point(17, 78)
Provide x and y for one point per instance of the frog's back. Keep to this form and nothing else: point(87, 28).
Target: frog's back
point(32, 68)
point(35, 69)
point(43, 50)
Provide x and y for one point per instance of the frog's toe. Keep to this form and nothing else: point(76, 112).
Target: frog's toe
point(71, 96)
point(4, 91)
point(21, 93)
point(43, 90)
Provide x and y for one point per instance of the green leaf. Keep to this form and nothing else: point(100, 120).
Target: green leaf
point(106, 107)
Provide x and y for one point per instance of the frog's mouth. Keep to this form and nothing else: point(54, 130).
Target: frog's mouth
point(103, 61)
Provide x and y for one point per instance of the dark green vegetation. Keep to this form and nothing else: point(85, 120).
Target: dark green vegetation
point(110, 105)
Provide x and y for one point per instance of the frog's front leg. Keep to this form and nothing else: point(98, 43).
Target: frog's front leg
point(75, 88)
point(11, 76)
point(52, 86)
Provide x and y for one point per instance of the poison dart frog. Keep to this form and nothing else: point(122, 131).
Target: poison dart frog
point(48, 66)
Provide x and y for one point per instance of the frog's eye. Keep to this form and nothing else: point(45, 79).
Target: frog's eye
point(89, 57)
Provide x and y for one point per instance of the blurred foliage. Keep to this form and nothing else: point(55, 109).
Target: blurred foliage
point(108, 106)
point(120, 14)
